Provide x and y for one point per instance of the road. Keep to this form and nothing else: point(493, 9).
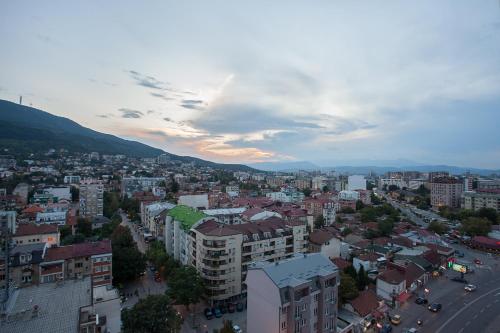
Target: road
point(145, 285)
point(462, 312)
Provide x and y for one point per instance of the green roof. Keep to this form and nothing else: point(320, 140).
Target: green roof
point(187, 216)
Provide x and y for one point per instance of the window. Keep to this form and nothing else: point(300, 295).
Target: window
point(283, 325)
point(79, 265)
point(97, 269)
point(105, 268)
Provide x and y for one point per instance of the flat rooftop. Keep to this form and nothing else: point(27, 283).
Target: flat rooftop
point(58, 307)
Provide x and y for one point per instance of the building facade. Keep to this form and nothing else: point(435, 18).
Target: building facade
point(446, 191)
point(91, 199)
point(297, 295)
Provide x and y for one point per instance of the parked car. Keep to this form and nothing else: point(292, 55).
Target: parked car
point(231, 308)
point(217, 312)
point(470, 287)
point(387, 328)
point(209, 314)
point(239, 307)
point(223, 308)
point(237, 329)
point(459, 279)
point(478, 262)
point(435, 307)
point(421, 300)
point(396, 319)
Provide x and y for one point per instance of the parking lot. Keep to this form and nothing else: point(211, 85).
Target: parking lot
point(195, 322)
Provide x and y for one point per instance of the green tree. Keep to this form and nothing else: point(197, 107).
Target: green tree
point(346, 231)
point(359, 205)
point(347, 210)
point(348, 289)
point(75, 193)
point(488, 213)
point(319, 222)
point(153, 314)
point(338, 219)
point(385, 226)
point(476, 226)
point(65, 231)
point(351, 271)
point(375, 199)
point(111, 203)
point(84, 227)
point(307, 192)
point(325, 189)
point(128, 262)
point(368, 214)
point(437, 227)
point(362, 278)
point(186, 286)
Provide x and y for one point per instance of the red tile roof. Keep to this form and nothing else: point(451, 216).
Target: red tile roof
point(78, 250)
point(341, 263)
point(392, 276)
point(25, 229)
point(33, 210)
point(365, 303)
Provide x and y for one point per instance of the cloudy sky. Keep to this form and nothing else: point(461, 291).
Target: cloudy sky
point(234, 81)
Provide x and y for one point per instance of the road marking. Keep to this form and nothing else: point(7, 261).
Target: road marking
point(464, 308)
point(467, 323)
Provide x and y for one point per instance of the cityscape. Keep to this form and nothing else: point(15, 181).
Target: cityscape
point(264, 167)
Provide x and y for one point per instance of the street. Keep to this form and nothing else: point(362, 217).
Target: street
point(462, 311)
point(145, 285)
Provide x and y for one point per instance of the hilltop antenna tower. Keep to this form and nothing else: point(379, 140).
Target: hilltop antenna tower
point(21, 100)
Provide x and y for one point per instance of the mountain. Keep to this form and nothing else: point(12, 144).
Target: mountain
point(28, 130)
point(285, 166)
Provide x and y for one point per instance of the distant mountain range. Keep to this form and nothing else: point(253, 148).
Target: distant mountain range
point(28, 130)
point(377, 168)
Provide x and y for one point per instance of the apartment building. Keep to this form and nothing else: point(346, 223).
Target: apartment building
point(91, 199)
point(131, 185)
point(222, 253)
point(302, 183)
point(77, 261)
point(446, 191)
point(356, 182)
point(481, 199)
point(178, 224)
point(297, 295)
point(149, 214)
point(8, 221)
point(227, 215)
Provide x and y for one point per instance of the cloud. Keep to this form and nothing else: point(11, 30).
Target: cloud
point(147, 81)
point(130, 113)
point(162, 96)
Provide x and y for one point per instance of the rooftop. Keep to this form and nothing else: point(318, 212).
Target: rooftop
point(297, 270)
point(26, 229)
point(187, 216)
point(58, 307)
point(78, 250)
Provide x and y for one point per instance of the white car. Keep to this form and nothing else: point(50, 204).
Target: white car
point(237, 329)
point(470, 287)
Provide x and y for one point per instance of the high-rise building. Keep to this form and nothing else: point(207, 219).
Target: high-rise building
point(356, 182)
point(91, 199)
point(446, 191)
point(481, 199)
point(294, 295)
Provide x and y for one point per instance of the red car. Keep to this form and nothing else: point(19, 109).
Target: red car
point(478, 262)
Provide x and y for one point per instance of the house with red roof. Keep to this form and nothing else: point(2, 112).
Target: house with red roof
point(31, 233)
point(79, 260)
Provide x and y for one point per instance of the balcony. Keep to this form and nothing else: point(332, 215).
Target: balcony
point(214, 245)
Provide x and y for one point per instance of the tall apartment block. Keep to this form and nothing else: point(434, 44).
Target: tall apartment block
point(91, 199)
point(481, 199)
point(297, 295)
point(446, 191)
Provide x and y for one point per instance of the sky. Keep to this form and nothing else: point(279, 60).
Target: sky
point(330, 82)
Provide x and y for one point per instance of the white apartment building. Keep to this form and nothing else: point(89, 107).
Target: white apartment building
point(52, 217)
point(348, 195)
point(356, 182)
point(297, 295)
point(227, 215)
point(149, 217)
point(8, 221)
point(318, 183)
point(71, 179)
point(198, 201)
point(481, 199)
point(91, 199)
point(399, 182)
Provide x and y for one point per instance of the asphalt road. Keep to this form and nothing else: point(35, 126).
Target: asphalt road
point(462, 311)
point(145, 285)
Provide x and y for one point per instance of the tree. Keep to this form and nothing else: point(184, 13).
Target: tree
point(362, 278)
point(338, 219)
point(347, 210)
point(393, 188)
point(351, 271)
point(346, 231)
point(128, 262)
point(348, 289)
point(325, 189)
point(476, 226)
point(111, 203)
point(368, 214)
point(437, 227)
point(488, 213)
point(153, 314)
point(65, 231)
point(319, 222)
point(385, 226)
point(307, 192)
point(375, 199)
point(186, 286)
point(359, 205)
point(84, 227)
point(75, 193)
